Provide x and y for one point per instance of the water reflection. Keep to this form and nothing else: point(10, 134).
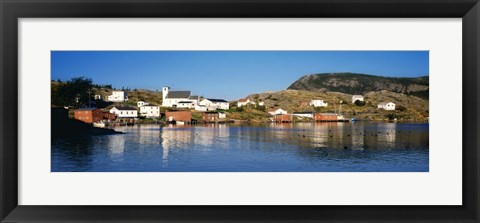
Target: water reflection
point(359, 146)
point(116, 146)
point(73, 154)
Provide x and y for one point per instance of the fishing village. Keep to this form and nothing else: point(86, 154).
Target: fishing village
point(183, 108)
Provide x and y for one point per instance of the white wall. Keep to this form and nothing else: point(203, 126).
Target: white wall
point(124, 114)
point(150, 111)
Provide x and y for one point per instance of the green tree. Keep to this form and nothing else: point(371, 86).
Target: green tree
point(261, 108)
point(74, 92)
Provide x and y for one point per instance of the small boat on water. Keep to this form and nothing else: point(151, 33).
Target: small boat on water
point(99, 124)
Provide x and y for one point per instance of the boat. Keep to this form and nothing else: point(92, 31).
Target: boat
point(99, 124)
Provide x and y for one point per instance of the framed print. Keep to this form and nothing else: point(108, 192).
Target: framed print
point(288, 111)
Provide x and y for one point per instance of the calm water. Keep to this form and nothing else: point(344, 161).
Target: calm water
point(300, 147)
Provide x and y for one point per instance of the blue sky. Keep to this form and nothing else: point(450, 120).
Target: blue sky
point(228, 74)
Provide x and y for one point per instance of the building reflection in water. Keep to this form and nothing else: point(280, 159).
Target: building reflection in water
point(339, 135)
point(116, 146)
point(201, 138)
point(148, 134)
point(321, 134)
point(388, 134)
point(358, 137)
point(209, 135)
point(174, 137)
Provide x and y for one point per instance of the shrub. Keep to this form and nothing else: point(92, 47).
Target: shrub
point(261, 108)
point(391, 116)
point(359, 103)
point(400, 108)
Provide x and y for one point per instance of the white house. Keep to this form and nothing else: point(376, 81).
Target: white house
point(222, 115)
point(213, 104)
point(244, 101)
point(150, 111)
point(261, 103)
point(318, 103)
point(124, 112)
point(98, 97)
point(277, 111)
point(186, 104)
point(303, 114)
point(142, 103)
point(201, 108)
point(118, 96)
point(172, 98)
point(387, 106)
point(357, 97)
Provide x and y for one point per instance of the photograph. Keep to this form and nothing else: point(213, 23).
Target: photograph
point(240, 111)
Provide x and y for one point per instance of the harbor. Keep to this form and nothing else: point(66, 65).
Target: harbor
point(283, 147)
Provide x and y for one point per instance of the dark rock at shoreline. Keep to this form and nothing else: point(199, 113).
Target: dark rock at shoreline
point(62, 126)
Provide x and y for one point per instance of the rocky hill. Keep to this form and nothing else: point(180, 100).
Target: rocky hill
point(353, 83)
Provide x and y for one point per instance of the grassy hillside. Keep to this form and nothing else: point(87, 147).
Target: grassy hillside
point(409, 108)
point(153, 97)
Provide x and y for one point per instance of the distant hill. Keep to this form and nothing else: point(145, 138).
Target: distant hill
point(352, 83)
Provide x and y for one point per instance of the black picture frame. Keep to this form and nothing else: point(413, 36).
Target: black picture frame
point(11, 11)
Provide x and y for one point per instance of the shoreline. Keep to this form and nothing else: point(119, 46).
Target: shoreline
point(264, 123)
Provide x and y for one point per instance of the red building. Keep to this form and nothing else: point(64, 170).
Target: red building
point(326, 117)
point(109, 116)
point(210, 116)
point(283, 118)
point(182, 116)
point(89, 115)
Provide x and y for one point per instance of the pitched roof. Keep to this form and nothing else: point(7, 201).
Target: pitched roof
point(125, 108)
point(86, 109)
point(302, 113)
point(194, 97)
point(216, 100)
point(274, 109)
point(185, 102)
point(178, 94)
